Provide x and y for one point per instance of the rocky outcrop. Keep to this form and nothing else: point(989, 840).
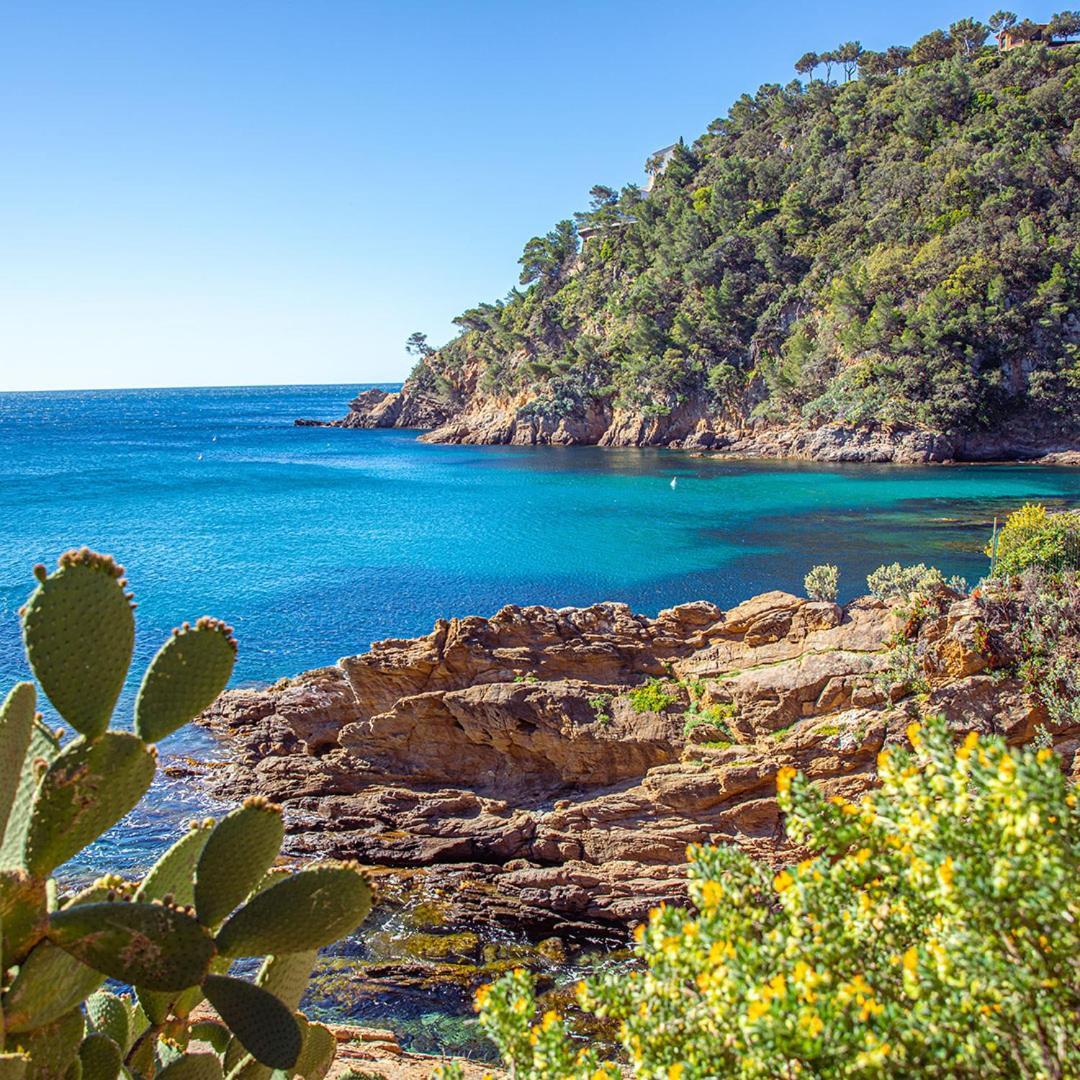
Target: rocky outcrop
point(548, 768)
point(469, 416)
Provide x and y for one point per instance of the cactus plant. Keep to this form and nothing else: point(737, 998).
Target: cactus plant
point(214, 894)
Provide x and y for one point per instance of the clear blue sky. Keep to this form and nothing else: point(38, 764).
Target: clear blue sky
point(260, 191)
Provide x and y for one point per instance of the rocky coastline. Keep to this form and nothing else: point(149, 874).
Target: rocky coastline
point(478, 419)
point(545, 770)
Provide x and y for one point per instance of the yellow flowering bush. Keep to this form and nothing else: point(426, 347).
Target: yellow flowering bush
point(935, 932)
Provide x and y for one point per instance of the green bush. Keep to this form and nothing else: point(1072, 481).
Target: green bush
point(1033, 537)
point(896, 582)
point(822, 583)
point(213, 897)
point(651, 697)
point(934, 932)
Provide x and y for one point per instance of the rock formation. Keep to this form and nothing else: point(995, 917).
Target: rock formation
point(548, 768)
point(475, 417)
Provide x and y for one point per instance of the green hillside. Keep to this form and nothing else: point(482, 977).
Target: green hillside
point(890, 240)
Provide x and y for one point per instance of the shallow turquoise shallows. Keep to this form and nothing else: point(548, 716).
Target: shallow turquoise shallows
point(315, 542)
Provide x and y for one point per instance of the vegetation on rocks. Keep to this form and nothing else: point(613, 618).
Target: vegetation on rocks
point(822, 583)
point(933, 931)
point(891, 240)
point(213, 897)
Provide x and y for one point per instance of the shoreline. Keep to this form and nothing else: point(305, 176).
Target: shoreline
point(1049, 458)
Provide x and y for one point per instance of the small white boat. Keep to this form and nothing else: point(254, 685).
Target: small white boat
point(674, 482)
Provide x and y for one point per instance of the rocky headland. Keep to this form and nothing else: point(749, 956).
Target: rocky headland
point(546, 769)
point(473, 417)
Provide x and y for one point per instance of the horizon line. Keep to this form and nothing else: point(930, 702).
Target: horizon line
point(201, 386)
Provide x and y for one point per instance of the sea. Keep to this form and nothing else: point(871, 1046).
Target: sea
point(315, 542)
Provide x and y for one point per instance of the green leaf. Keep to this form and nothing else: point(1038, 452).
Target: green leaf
point(148, 945)
point(308, 910)
point(263, 1025)
point(186, 676)
point(238, 853)
point(79, 632)
point(22, 913)
point(86, 790)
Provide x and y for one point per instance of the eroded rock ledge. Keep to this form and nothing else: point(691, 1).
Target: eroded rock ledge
point(517, 762)
point(471, 417)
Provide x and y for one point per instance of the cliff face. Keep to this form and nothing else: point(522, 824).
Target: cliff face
point(493, 420)
point(547, 768)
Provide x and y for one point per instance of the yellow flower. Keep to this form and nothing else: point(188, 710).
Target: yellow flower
point(712, 892)
point(911, 959)
point(481, 997)
point(1044, 755)
point(784, 778)
point(945, 873)
point(783, 881)
point(756, 1010)
point(601, 1074)
point(639, 932)
point(971, 740)
point(551, 1018)
point(913, 730)
point(813, 1024)
point(862, 855)
point(675, 1071)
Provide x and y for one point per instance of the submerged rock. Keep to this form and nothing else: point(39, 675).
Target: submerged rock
point(546, 769)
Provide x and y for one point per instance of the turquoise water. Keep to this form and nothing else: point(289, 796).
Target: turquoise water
point(315, 542)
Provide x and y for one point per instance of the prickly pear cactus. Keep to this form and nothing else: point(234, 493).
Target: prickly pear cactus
point(213, 895)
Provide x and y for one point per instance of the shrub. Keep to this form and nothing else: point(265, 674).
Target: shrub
point(1033, 537)
point(896, 582)
point(651, 697)
point(212, 897)
point(822, 583)
point(934, 933)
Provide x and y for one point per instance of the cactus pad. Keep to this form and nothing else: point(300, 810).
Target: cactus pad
point(108, 1014)
point(22, 914)
point(264, 1026)
point(185, 677)
point(44, 746)
point(192, 1067)
point(100, 1057)
point(212, 1033)
point(317, 1052)
point(149, 945)
point(13, 1066)
point(16, 728)
point(79, 632)
point(87, 789)
point(50, 983)
point(305, 911)
point(237, 855)
point(286, 977)
point(52, 1048)
point(173, 874)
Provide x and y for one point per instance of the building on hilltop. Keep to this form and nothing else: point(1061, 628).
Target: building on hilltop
point(656, 164)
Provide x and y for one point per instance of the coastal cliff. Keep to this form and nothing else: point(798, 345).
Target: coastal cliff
point(546, 769)
point(885, 269)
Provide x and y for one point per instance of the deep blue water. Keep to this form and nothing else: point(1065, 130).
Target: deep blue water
point(315, 542)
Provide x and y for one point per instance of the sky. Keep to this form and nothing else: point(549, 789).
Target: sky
point(245, 192)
